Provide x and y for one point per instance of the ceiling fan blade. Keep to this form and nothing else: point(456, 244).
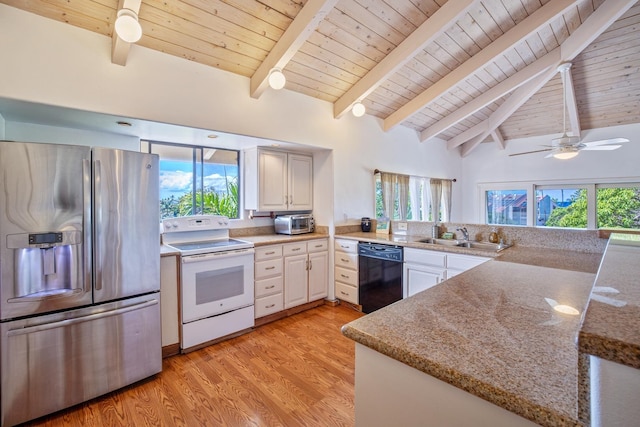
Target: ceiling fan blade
point(602, 147)
point(529, 152)
point(606, 141)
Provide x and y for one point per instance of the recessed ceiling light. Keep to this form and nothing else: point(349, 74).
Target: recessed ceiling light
point(127, 124)
point(212, 136)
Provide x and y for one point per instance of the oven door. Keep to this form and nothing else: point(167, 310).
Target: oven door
point(216, 283)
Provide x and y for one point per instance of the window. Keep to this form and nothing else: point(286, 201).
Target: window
point(561, 207)
point(419, 199)
point(196, 180)
point(587, 206)
point(506, 207)
point(618, 206)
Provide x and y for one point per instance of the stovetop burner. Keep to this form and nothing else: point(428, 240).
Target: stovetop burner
point(200, 234)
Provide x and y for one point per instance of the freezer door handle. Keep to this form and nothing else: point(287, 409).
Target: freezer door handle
point(97, 192)
point(88, 221)
point(75, 321)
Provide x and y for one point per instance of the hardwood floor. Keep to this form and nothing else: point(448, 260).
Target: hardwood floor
point(298, 371)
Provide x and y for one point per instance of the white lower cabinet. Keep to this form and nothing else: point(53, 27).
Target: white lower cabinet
point(169, 308)
point(346, 270)
point(457, 263)
point(305, 272)
point(268, 280)
point(424, 268)
point(290, 274)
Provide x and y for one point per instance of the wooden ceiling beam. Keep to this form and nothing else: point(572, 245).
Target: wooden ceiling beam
point(572, 104)
point(507, 41)
point(601, 19)
point(497, 138)
point(429, 30)
point(120, 48)
point(303, 25)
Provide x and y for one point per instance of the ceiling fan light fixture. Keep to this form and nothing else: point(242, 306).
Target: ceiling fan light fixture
point(127, 26)
point(358, 109)
point(277, 80)
point(566, 153)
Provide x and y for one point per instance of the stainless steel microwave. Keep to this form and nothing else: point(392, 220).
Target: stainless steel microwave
point(294, 224)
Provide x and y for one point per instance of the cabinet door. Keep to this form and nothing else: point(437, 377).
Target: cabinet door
point(417, 278)
point(272, 181)
point(295, 280)
point(318, 275)
point(300, 182)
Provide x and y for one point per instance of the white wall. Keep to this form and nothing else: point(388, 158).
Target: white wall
point(488, 164)
point(58, 64)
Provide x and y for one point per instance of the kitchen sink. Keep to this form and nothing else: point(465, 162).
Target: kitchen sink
point(445, 242)
point(486, 246)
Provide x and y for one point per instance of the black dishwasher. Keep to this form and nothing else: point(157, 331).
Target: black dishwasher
point(380, 275)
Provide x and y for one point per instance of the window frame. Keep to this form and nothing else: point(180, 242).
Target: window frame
point(198, 164)
point(531, 186)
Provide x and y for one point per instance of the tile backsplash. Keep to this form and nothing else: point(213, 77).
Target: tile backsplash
point(554, 238)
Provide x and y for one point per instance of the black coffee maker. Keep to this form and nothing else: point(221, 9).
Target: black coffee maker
point(365, 224)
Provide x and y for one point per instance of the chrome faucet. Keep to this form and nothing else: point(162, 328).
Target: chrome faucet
point(464, 232)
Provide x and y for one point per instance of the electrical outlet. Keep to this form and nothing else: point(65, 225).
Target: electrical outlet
point(402, 226)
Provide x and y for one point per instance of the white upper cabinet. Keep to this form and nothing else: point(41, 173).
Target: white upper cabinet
point(277, 180)
point(300, 168)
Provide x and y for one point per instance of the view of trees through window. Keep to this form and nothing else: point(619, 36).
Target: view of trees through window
point(197, 180)
point(615, 206)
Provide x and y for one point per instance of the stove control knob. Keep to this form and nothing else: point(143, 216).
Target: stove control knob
point(175, 225)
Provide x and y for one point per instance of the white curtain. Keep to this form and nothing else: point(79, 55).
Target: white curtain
point(436, 197)
point(388, 193)
point(403, 196)
point(415, 184)
point(420, 196)
point(446, 199)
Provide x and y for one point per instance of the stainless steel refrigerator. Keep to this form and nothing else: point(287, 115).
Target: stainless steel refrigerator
point(79, 274)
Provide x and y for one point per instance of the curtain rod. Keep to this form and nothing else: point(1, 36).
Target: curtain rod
point(377, 171)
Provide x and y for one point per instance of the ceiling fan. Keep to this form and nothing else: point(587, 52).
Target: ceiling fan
point(567, 147)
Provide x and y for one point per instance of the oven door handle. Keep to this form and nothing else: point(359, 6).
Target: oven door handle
point(216, 255)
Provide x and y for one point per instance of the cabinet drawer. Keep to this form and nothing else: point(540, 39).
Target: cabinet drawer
point(420, 256)
point(347, 293)
point(346, 260)
point(268, 252)
point(317, 245)
point(268, 268)
point(343, 245)
point(294, 248)
point(268, 286)
point(269, 305)
point(464, 262)
point(349, 277)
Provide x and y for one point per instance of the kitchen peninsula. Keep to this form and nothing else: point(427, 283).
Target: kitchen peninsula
point(491, 342)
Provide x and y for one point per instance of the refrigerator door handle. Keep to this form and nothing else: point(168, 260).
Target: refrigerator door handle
point(88, 318)
point(97, 193)
point(87, 223)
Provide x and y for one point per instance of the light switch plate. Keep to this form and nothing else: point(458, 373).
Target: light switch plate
point(402, 226)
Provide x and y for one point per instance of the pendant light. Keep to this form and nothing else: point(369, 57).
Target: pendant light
point(358, 109)
point(277, 80)
point(127, 26)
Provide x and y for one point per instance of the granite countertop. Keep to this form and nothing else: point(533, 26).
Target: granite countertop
point(493, 333)
point(412, 241)
point(611, 325)
point(554, 258)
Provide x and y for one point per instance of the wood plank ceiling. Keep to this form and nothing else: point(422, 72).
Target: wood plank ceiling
point(463, 71)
